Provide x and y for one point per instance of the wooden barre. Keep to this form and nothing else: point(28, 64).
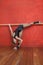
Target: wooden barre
point(19, 24)
point(12, 24)
point(8, 24)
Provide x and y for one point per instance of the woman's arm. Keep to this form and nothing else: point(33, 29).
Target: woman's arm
point(12, 34)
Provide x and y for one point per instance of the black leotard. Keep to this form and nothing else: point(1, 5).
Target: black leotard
point(19, 29)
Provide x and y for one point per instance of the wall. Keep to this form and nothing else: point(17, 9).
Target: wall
point(21, 11)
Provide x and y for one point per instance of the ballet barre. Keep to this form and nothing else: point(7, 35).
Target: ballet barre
point(20, 24)
point(10, 24)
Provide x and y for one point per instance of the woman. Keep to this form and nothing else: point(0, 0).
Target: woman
point(16, 35)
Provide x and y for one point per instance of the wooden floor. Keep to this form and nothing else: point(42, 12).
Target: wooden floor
point(23, 56)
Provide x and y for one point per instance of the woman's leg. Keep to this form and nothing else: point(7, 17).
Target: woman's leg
point(14, 40)
point(19, 39)
point(27, 25)
point(20, 42)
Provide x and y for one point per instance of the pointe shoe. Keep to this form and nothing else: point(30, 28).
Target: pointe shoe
point(15, 48)
point(36, 22)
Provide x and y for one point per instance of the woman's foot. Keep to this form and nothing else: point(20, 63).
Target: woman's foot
point(36, 22)
point(15, 48)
